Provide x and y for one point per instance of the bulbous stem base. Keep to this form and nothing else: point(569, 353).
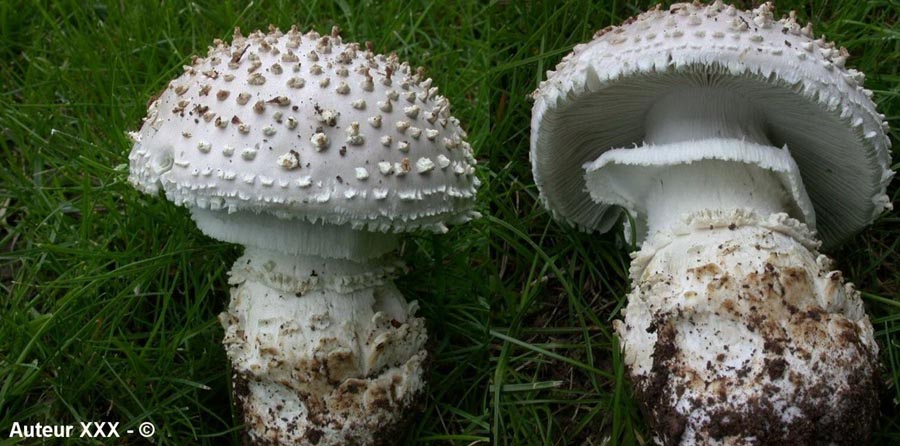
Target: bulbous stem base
point(738, 333)
point(324, 351)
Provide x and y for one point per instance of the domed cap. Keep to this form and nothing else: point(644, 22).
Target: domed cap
point(599, 95)
point(307, 126)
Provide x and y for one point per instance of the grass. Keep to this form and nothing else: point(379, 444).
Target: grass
point(108, 298)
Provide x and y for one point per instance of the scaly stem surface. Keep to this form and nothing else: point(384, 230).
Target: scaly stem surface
point(325, 351)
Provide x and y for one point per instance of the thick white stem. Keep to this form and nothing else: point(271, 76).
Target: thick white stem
point(292, 235)
point(698, 113)
point(660, 184)
point(701, 116)
point(684, 189)
point(325, 351)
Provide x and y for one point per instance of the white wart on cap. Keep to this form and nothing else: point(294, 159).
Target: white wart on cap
point(307, 126)
point(599, 97)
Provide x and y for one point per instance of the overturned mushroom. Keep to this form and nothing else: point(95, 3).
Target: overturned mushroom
point(313, 153)
point(699, 121)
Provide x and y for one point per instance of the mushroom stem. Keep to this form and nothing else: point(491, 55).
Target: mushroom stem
point(292, 235)
point(324, 351)
point(711, 184)
point(724, 122)
point(660, 183)
point(704, 112)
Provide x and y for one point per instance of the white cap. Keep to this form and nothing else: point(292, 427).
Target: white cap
point(597, 98)
point(307, 126)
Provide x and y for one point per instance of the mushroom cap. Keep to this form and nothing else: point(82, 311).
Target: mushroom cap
point(599, 95)
point(307, 126)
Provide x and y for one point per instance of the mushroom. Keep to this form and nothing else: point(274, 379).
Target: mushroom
point(299, 147)
point(698, 122)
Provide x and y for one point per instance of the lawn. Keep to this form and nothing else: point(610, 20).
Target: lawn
point(109, 298)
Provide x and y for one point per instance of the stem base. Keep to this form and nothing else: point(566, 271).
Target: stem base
point(737, 333)
point(323, 362)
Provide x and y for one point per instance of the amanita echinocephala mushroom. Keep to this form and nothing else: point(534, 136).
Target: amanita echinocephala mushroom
point(313, 154)
point(735, 142)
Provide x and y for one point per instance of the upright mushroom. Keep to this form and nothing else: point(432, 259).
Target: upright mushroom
point(699, 121)
point(313, 153)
